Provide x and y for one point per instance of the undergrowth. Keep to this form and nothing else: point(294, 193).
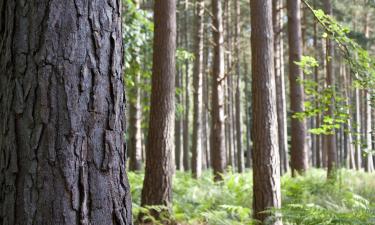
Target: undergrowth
point(307, 200)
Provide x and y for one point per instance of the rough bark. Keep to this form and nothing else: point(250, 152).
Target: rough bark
point(298, 150)
point(217, 93)
point(62, 148)
point(196, 162)
point(277, 14)
point(157, 185)
point(266, 169)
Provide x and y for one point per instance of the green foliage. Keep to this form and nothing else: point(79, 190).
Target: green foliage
point(320, 99)
point(306, 200)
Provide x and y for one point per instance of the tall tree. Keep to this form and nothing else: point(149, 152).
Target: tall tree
point(298, 127)
point(196, 162)
point(277, 15)
point(157, 185)
point(237, 31)
point(62, 114)
point(135, 120)
point(186, 133)
point(266, 169)
point(217, 99)
point(330, 138)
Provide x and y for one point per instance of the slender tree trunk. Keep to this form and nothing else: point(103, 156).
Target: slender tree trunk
point(299, 162)
point(62, 114)
point(196, 164)
point(330, 138)
point(318, 144)
point(135, 128)
point(369, 164)
point(157, 185)
point(248, 115)
point(217, 98)
point(350, 142)
point(277, 11)
point(240, 152)
point(266, 171)
point(358, 149)
point(179, 100)
point(186, 133)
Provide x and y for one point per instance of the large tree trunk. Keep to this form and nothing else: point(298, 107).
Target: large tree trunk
point(299, 162)
point(157, 185)
point(196, 162)
point(330, 138)
point(217, 98)
point(62, 113)
point(266, 169)
point(277, 15)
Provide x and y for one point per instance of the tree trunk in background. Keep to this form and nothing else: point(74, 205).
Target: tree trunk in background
point(157, 185)
point(369, 164)
point(240, 153)
point(317, 146)
point(248, 115)
point(299, 161)
point(358, 149)
point(277, 14)
point(330, 138)
point(179, 100)
point(196, 162)
point(266, 170)
point(135, 128)
point(135, 121)
point(206, 94)
point(350, 142)
point(217, 98)
point(62, 114)
point(186, 137)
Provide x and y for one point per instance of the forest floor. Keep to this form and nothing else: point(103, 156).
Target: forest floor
point(306, 200)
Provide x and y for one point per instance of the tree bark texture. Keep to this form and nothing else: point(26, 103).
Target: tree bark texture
point(62, 148)
point(218, 159)
point(298, 150)
point(157, 185)
point(266, 169)
point(196, 162)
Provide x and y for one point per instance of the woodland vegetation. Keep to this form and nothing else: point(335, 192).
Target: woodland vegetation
point(206, 112)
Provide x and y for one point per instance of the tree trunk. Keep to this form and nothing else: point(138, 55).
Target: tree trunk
point(179, 100)
point(196, 165)
point(330, 138)
point(62, 114)
point(277, 14)
point(157, 185)
point(135, 129)
point(217, 109)
point(266, 170)
point(248, 115)
point(299, 162)
point(240, 152)
point(318, 144)
point(358, 149)
point(186, 133)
